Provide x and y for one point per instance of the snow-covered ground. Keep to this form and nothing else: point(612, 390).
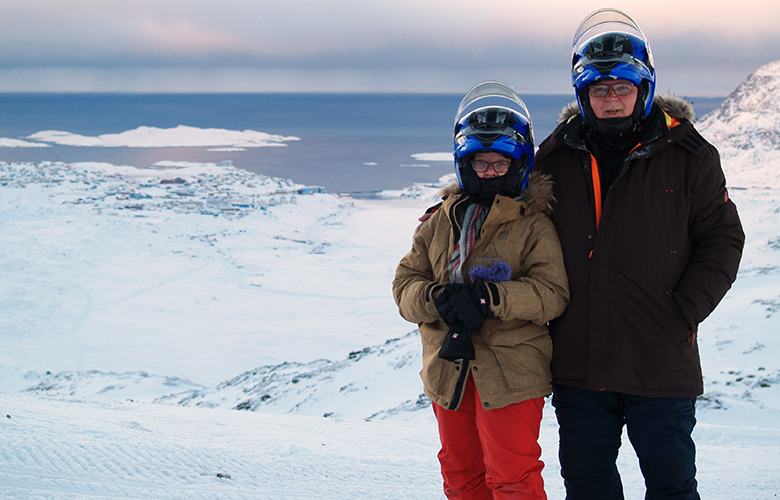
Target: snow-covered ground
point(65, 448)
point(141, 310)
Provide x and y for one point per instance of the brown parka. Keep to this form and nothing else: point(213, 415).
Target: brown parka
point(663, 254)
point(513, 350)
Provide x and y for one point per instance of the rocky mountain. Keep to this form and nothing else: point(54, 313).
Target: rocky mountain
point(746, 130)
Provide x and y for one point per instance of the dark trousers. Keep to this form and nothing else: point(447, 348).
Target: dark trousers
point(590, 426)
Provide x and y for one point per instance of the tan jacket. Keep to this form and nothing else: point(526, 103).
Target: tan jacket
point(513, 351)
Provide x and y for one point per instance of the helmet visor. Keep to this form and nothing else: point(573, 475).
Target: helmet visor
point(605, 21)
point(489, 95)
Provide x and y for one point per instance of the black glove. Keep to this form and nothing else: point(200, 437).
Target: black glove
point(444, 302)
point(463, 308)
point(468, 308)
point(457, 347)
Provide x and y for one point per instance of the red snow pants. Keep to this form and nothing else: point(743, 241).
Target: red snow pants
point(491, 454)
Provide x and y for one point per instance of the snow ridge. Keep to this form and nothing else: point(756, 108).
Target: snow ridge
point(367, 384)
point(746, 130)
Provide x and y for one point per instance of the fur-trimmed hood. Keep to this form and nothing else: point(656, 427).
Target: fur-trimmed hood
point(538, 193)
point(677, 107)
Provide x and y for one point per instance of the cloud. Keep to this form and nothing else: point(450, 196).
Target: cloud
point(182, 36)
point(146, 43)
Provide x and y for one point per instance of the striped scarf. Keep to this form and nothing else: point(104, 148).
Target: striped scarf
point(472, 224)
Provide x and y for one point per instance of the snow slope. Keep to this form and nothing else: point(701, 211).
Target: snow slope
point(142, 309)
point(746, 130)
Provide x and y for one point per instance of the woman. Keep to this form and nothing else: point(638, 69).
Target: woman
point(484, 277)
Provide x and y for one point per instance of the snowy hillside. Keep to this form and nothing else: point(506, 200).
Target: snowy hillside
point(197, 331)
point(746, 130)
point(198, 272)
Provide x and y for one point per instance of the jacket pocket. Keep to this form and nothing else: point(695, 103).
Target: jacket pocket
point(524, 356)
point(684, 333)
point(433, 373)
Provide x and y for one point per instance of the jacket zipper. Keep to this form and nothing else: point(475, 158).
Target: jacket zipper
point(598, 196)
point(464, 372)
point(455, 401)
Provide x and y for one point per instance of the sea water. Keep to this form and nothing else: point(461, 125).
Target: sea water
point(348, 142)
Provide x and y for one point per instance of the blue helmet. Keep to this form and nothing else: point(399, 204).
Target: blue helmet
point(609, 45)
point(491, 117)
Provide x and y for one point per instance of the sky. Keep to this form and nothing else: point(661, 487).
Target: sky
point(701, 47)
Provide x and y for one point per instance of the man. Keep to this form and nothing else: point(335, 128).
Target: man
point(651, 243)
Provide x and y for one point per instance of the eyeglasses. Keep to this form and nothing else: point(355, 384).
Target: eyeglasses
point(620, 89)
point(500, 167)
